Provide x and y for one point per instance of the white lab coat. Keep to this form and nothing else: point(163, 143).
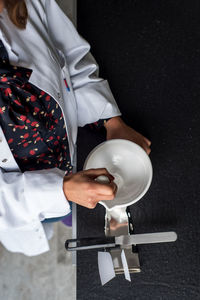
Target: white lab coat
point(53, 49)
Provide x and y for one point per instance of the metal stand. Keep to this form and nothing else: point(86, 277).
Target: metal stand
point(119, 222)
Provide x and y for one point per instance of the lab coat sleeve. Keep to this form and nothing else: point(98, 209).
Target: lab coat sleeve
point(25, 200)
point(93, 95)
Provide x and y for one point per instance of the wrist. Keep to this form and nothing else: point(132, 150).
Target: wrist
point(113, 123)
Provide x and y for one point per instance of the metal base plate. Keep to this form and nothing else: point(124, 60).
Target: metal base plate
point(120, 223)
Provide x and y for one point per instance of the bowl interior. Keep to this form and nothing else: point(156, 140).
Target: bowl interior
point(128, 163)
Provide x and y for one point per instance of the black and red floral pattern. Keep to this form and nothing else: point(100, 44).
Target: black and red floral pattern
point(32, 121)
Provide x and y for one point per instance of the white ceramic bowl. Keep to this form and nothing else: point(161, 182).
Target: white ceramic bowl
point(129, 164)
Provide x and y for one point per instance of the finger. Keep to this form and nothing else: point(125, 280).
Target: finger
point(100, 197)
point(106, 189)
point(146, 148)
point(147, 141)
point(93, 173)
point(91, 205)
point(148, 151)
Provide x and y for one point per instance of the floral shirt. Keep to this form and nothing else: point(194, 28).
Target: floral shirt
point(32, 121)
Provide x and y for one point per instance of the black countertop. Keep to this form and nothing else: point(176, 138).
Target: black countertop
point(149, 51)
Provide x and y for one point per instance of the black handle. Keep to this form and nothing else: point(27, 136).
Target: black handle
point(91, 243)
point(131, 228)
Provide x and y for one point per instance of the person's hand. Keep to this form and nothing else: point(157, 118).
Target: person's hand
point(82, 188)
point(117, 129)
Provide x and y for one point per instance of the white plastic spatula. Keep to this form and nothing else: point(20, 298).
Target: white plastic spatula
point(106, 268)
point(125, 266)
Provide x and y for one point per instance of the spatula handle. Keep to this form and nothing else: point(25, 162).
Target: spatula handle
point(90, 243)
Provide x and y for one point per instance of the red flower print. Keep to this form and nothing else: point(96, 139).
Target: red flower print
point(56, 142)
point(49, 115)
point(2, 109)
point(42, 155)
point(28, 121)
point(26, 135)
point(23, 118)
point(56, 121)
point(34, 123)
point(17, 102)
point(33, 98)
point(19, 126)
point(42, 93)
point(25, 145)
point(47, 98)
point(4, 79)
point(36, 109)
point(59, 157)
point(46, 161)
point(32, 152)
point(10, 141)
point(58, 137)
point(35, 134)
point(8, 92)
point(38, 138)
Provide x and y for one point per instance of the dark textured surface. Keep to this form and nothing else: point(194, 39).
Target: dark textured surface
point(150, 53)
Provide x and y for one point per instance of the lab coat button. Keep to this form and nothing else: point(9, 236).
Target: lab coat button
point(4, 160)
